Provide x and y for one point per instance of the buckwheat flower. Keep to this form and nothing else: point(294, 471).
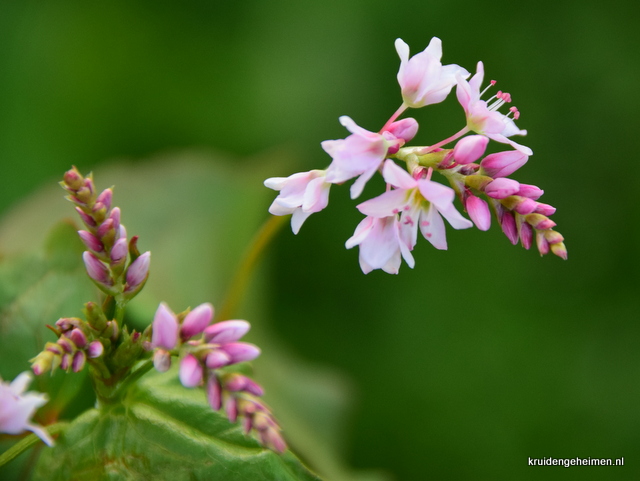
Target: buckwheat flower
point(359, 155)
point(301, 194)
point(422, 78)
point(484, 118)
point(17, 407)
point(422, 204)
point(381, 244)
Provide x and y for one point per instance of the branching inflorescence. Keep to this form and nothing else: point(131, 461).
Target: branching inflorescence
point(412, 201)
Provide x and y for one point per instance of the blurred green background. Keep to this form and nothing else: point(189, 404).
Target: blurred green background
point(483, 355)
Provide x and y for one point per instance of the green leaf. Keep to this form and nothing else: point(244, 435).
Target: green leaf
point(163, 431)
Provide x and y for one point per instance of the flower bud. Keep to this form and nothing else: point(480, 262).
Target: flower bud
point(95, 316)
point(470, 148)
point(544, 209)
point(508, 224)
point(196, 321)
point(560, 250)
point(44, 361)
point(78, 338)
point(217, 358)
point(540, 222)
point(105, 198)
point(79, 359)
point(226, 331)
point(530, 191)
point(67, 323)
point(86, 218)
point(96, 269)
point(502, 188)
point(526, 234)
point(165, 328)
point(503, 164)
point(137, 274)
point(230, 407)
point(65, 362)
point(405, 129)
point(190, 371)
point(95, 349)
point(214, 392)
point(66, 344)
point(73, 179)
point(119, 251)
point(161, 360)
point(479, 212)
point(543, 245)
point(553, 237)
point(240, 351)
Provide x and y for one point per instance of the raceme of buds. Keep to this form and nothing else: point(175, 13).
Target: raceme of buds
point(412, 201)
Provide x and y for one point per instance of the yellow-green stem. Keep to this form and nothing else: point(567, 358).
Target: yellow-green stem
point(249, 261)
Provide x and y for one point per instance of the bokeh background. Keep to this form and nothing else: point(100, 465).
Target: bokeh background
point(480, 357)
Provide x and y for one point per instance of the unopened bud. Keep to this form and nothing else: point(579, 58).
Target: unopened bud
point(65, 362)
point(73, 179)
point(79, 359)
point(540, 222)
point(97, 271)
point(91, 241)
point(196, 321)
point(190, 371)
point(105, 198)
point(553, 237)
point(95, 316)
point(503, 164)
point(161, 360)
point(95, 349)
point(479, 212)
point(86, 218)
point(560, 250)
point(478, 182)
point(544, 209)
point(470, 148)
point(78, 338)
point(226, 331)
point(543, 245)
point(241, 351)
point(502, 188)
point(214, 392)
point(44, 361)
point(137, 274)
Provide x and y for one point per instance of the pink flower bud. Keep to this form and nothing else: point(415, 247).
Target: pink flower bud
point(526, 235)
point(543, 245)
point(78, 338)
point(553, 237)
point(470, 148)
point(560, 250)
point(190, 371)
point(86, 218)
point(241, 351)
point(405, 129)
point(196, 321)
point(503, 164)
point(96, 269)
point(106, 230)
point(95, 349)
point(161, 360)
point(479, 212)
point(217, 358)
point(73, 179)
point(502, 188)
point(66, 344)
point(115, 217)
point(65, 361)
point(214, 392)
point(165, 328)
point(231, 408)
point(540, 222)
point(137, 272)
point(91, 241)
point(105, 198)
point(508, 224)
point(238, 382)
point(530, 191)
point(544, 209)
point(226, 331)
point(79, 359)
point(525, 205)
point(119, 251)
point(272, 438)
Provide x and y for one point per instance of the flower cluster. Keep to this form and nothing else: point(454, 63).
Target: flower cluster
point(106, 239)
point(412, 201)
point(204, 350)
point(17, 407)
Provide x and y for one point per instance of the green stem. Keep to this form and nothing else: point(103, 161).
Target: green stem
point(248, 264)
point(25, 443)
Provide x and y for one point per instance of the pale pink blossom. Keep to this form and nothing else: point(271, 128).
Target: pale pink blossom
point(381, 246)
point(17, 407)
point(422, 78)
point(484, 118)
point(301, 194)
point(421, 202)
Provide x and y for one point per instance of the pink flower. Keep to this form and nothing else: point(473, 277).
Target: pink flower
point(381, 245)
point(165, 328)
point(18, 407)
point(301, 194)
point(422, 78)
point(359, 155)
point(421, 204)
point(484, 118)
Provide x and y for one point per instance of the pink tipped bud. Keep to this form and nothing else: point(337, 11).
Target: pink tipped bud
point(91, 241)
point(165, 328)
point(226, 331)
point(470, 148)
point(217, 358)
point(99, 212)
point(502, 188)
point(95, 349)
point(161, 360)
point(530, 191)
point(190, 371)
point(405, 129)
point(115, 217)
point(119, 251)
point(231, 408)
point(86, 218)
point(241, 351)
point(543, 245)
point(247, 424)
point(67, 323)
point(65, 361)
point(44, 362)
point(106, 231)
point(96, 269)
point(54, 348)
point(73, 179)
point(508, 223)
point(503, 164)
point(79, 359)
point(526, 235)
point(137, 272)
point(214, 393)
point(560, 250)
point(273, 439)
point(196, 321)
point(78, 338)
point(105, 198)
point(545, 209)
point(553, 237)
point(522, 205)
point(540, 222)
point(479, 212)
point(66, 344)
